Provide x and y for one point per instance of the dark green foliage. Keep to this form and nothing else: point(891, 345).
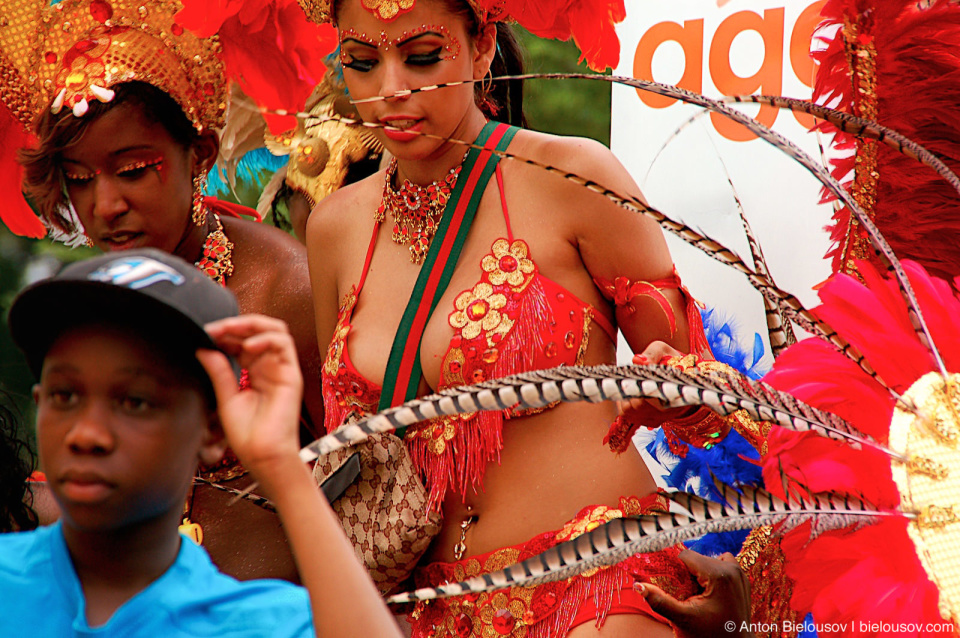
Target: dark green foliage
point(565, 107)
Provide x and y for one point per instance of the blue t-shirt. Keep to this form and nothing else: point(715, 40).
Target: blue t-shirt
point(40, 595)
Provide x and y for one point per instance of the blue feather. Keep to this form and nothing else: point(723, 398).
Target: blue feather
point(716, 544)
point(728, 347)
point(809, 628)
point(251, 168)
point(732, 461)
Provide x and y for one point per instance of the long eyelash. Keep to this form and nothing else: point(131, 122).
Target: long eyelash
point(78, 177)
point(426, 59)
point(142, 165)
point(349, 62)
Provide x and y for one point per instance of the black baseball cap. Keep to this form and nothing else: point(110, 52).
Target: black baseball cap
point(149, 290)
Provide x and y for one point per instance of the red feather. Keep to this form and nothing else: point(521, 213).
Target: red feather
point(873, 575)
point(589, 22)
point(856, 578)
point(15, 213)
point(823, 465)
point(917, 94)
point(269, 48)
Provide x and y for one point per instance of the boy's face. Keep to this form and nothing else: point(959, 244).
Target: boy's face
point(119, 429)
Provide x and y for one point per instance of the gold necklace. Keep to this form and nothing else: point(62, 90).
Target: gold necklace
point(216, 262)
point(416, 209)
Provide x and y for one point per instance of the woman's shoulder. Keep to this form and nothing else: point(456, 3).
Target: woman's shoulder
point(334, 215)
point(581, 156)
point(262, 242)
point(562, 151)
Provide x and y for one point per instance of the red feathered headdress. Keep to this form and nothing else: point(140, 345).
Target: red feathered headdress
point(268, 48)
point(894, 63)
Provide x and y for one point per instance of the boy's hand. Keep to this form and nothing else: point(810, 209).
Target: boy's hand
point(261, 421)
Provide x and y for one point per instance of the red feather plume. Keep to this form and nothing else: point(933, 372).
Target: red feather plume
point(269, 48)
point(860, 577)
point(589, 22)
point(917, 92)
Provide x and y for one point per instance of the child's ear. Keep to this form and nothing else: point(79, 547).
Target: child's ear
point(214, 442)
point(35, 391)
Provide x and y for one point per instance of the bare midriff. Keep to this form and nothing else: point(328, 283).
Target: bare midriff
point(552, 465)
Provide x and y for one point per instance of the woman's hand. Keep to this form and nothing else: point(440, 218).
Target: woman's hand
point(653, 411)
point(261, 421)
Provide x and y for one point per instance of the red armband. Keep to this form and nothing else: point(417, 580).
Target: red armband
point(621, 291)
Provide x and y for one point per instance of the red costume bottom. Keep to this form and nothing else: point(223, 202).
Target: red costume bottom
point(552, 609)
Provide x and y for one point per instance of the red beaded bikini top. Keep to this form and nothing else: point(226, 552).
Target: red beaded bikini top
point(512, 321)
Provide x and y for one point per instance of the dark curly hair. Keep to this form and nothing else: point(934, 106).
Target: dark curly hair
point(17, 462)
point(43, 175)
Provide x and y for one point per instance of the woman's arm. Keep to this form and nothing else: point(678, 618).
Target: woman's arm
point(293, 302)
point(261, 425)
point(614, 242)
point(326, 232)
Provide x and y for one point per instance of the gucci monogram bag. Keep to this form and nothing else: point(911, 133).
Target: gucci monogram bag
point(383, 510)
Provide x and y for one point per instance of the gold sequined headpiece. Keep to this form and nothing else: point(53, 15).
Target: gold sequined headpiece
point(322, 148)
point(67, 55)
point(321, 11)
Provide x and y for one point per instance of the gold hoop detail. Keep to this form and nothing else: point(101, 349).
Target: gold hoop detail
point(486, 84)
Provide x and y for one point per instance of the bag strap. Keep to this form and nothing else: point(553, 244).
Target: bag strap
point(402, 376)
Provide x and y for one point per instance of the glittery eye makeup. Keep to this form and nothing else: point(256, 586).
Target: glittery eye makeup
point(448, 51)
point(79, 178)
point(135, 169)
point(132, 170)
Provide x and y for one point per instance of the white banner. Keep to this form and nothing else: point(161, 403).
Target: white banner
point(725, 47)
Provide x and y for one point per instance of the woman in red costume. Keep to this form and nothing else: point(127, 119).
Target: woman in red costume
point(533, 288)
point(124, 104)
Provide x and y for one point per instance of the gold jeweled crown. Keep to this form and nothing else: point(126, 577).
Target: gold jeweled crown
point(69, 54)
point(321, 11)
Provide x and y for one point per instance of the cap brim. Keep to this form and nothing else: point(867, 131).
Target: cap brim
point(43, 311)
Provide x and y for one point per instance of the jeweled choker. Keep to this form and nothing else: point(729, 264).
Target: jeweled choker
point(416, 209)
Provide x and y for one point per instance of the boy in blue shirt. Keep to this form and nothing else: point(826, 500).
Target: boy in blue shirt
point(133, 394)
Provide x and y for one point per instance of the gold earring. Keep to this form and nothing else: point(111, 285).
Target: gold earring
point(199, 214)
point(87, 241)
point(484, 101)
point(486, 84)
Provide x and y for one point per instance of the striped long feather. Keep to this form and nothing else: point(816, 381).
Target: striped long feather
point(720, 392)
point(858, 127)
point(845, 123)
point(779, 330)
point(621, 538)
point(778, 141)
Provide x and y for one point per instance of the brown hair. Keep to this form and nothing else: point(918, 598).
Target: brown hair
point(43, 182)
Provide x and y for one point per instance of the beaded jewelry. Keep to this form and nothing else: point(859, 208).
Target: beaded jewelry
point(198, 209)
point(416, 209)
point(216, 262)
point(451, 48)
